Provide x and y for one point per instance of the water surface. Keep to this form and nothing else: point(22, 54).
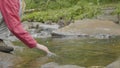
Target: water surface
point(82, 52)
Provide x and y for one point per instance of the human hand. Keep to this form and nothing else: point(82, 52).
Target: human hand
point(45, 49)
point(51, 55)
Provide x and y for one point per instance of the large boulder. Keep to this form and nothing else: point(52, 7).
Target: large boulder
point(87, 27)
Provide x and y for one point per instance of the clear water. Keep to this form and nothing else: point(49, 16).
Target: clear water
point(82, 52)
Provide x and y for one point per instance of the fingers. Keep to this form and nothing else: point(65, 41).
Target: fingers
point(51, 55)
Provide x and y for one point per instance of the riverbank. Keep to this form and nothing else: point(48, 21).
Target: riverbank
point(87, 28)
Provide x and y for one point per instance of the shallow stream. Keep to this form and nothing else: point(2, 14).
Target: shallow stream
point(83, 52)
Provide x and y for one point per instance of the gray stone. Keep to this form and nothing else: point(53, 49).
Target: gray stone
point(7, 60)
point(50, 65)
point(96, 67)
point(69, 66)
point(49, 27)
point(56, 65)
point(89, 28)
point(113, 18)
point(115, 64)
point(5, 48)
point(107, 14)
point(39, 30)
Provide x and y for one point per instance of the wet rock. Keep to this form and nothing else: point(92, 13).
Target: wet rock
point(56, 65)
point(102, 36)
point(69, 66)
point(115, 64)
point(43, 31)
point(37, 29)
point(49, 28)
point(7, 60)
point(113, 18)
point(107, 14)
point(89, 28)
point(8, 43)
point(38, 25)
point(96, 67)
point(4, 47)
point(50, 65)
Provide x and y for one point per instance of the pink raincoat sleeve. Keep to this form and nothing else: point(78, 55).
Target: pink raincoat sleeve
point(10, 12)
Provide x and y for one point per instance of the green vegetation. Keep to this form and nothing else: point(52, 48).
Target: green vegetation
point(78, 12)
point(58, 4)
point(54, 9)
point(117, 11)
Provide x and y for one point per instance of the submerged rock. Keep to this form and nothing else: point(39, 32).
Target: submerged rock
point(50, 65)
point(56, 65)
point(96, 67)
point(69, 66)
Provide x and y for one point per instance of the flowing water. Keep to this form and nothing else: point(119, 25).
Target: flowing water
point(84, 52)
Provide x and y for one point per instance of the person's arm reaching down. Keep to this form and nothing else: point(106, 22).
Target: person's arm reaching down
point(10, 12)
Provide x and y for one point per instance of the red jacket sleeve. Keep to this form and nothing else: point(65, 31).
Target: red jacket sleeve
point(10, 12)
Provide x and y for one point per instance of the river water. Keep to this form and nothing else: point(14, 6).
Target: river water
point(83, 52)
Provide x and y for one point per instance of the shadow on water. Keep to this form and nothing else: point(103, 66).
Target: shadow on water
point(84, 52)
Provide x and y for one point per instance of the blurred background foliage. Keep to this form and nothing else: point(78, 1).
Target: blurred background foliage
point(44, 10)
